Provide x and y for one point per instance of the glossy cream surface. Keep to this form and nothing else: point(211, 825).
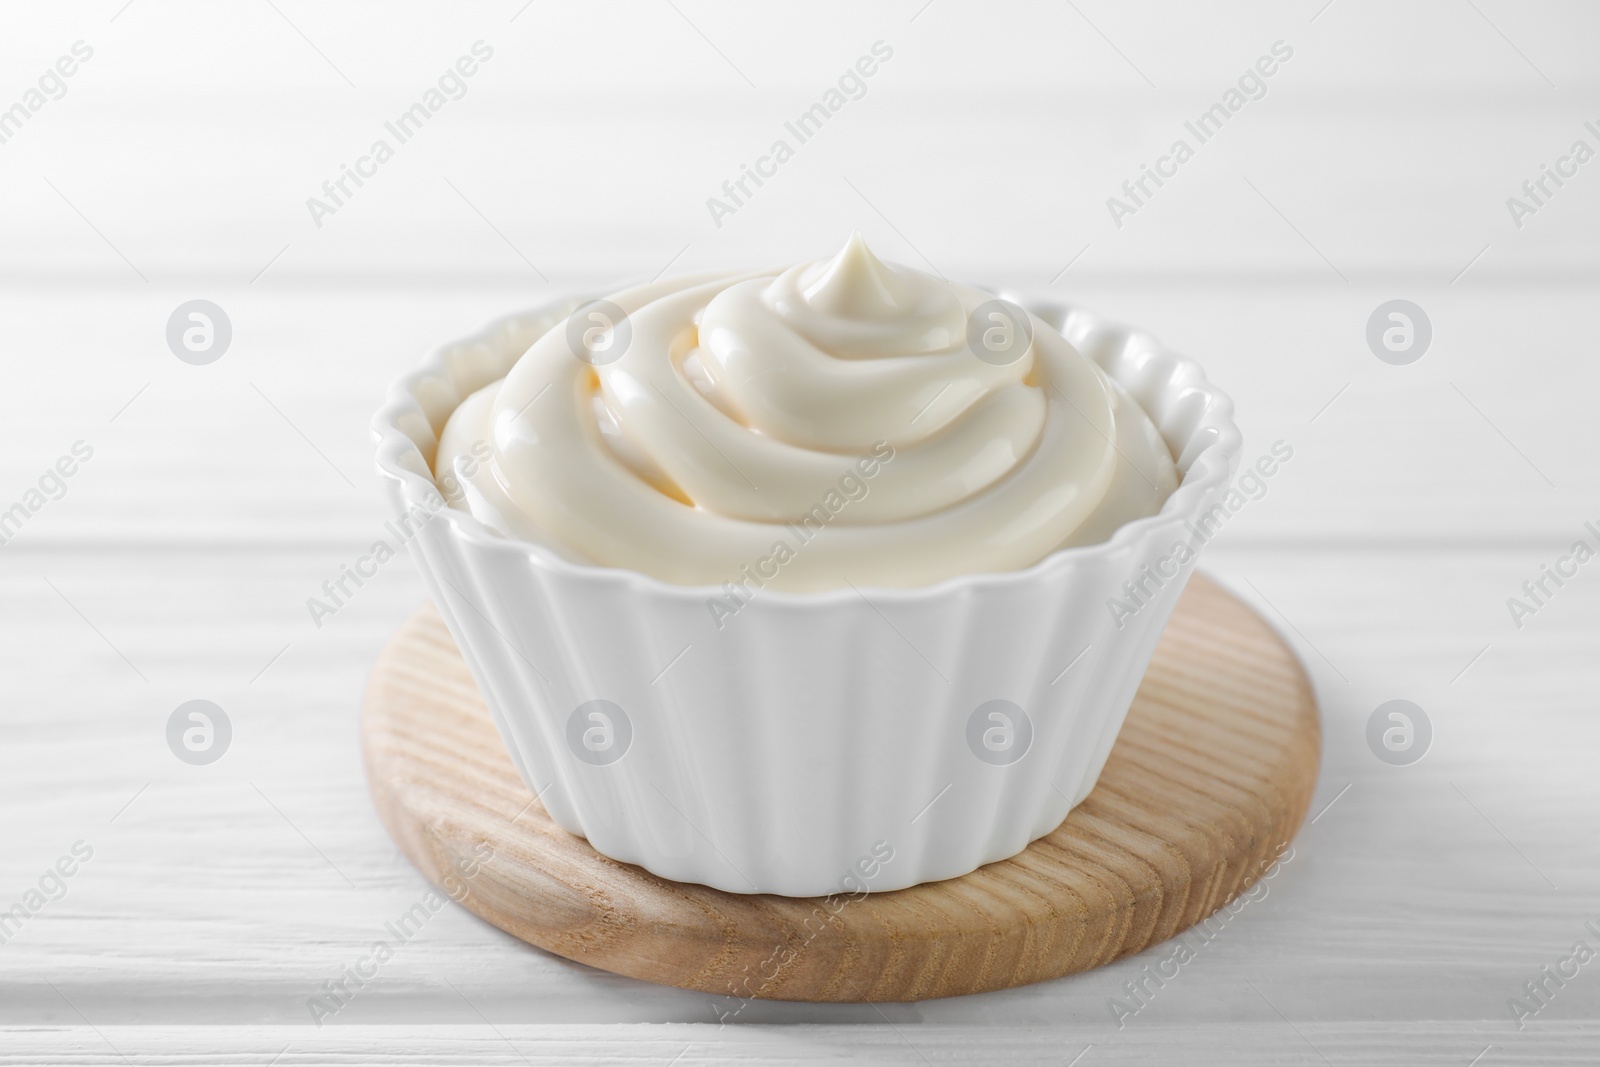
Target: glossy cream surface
point(804, 429)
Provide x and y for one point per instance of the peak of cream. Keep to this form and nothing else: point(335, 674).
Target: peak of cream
point(807, 427)
point(856, 284)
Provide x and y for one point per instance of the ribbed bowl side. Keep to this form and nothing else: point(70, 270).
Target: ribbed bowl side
point(805, 745)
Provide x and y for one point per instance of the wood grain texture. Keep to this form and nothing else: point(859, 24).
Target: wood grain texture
point(1209, 780)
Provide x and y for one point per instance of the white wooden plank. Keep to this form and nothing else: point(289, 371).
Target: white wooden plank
point(471, 1041)
point(209, 901)
point(1390, 141)
point(1305, 162)
point(270, 444)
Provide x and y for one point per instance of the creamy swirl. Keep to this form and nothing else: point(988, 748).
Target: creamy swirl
point(809, 428)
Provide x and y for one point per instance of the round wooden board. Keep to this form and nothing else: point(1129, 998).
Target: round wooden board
point(1210, 777)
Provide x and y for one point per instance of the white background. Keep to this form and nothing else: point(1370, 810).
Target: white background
point(1378, 165)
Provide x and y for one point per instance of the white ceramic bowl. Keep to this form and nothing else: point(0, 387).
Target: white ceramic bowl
point(838, 742)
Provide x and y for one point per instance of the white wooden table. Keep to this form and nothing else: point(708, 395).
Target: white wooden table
point(176, 565)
